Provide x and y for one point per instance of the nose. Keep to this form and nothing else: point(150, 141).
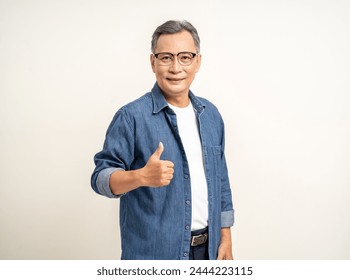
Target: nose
point(175, 67)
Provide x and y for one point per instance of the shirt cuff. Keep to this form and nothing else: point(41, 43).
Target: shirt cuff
point(227, 218)
point(102, 182)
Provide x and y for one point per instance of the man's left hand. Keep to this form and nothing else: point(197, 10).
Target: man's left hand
point(225, 248)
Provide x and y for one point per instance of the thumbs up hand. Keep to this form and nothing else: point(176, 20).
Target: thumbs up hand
point(157, 172)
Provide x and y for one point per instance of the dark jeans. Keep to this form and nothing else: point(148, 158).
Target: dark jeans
point(199, 252)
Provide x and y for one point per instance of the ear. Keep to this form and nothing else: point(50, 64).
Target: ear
point(198, 61)
point(153, 62)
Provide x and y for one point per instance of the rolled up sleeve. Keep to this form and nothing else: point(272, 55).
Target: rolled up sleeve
point(102, 182)
point(227, 218)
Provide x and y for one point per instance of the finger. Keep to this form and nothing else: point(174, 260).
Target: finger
point(159, 151)
point(171, 170)
point(168, 163)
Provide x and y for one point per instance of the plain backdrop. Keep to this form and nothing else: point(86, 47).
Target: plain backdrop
point(277, 70)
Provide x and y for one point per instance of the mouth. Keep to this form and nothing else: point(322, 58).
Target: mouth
point(175, 79)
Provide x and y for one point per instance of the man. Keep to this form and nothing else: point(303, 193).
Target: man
point(164, 157)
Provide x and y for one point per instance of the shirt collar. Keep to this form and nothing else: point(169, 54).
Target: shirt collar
point(159, 102)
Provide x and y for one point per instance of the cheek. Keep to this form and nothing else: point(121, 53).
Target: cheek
point(158, 71)
point(192, 72)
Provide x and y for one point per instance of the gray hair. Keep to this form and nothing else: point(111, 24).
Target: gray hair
point(172, 27)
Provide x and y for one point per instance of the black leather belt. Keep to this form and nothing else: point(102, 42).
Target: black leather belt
point(199, 239)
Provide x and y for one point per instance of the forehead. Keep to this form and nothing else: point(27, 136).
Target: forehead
point(177, 42)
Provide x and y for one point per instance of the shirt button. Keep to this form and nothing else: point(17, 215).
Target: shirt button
point(188, 202)
point(187, 227)
point(186, 176)
point(185, 254)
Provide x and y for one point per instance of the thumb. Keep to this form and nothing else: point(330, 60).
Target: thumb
point(159, 151)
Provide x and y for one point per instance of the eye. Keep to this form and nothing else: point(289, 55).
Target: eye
point(185, 57)
point(165, 57)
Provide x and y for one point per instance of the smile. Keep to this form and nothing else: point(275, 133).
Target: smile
point(175, 80)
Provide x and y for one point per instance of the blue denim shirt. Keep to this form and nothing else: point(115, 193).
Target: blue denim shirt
point(155, 223)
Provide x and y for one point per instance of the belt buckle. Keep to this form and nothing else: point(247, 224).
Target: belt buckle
point(199, 239)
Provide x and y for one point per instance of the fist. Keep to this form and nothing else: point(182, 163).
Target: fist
point(157, 172)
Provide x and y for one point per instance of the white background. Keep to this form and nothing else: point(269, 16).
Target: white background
point(278, 71)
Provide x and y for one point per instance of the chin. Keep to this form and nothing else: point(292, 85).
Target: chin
point(176, 90)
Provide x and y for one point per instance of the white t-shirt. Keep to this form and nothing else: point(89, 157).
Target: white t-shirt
point(189, 134)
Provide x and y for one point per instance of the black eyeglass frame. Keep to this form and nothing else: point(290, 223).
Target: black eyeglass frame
point(177, 55)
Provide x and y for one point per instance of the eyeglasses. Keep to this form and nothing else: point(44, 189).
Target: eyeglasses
point(184, 58)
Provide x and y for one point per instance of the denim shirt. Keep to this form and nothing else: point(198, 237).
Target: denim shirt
point(155, 223)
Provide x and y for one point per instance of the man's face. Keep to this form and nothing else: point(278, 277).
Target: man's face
point(175, 79)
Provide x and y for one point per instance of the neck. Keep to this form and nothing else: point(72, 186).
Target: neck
point(178, 101)
point(181, 103)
